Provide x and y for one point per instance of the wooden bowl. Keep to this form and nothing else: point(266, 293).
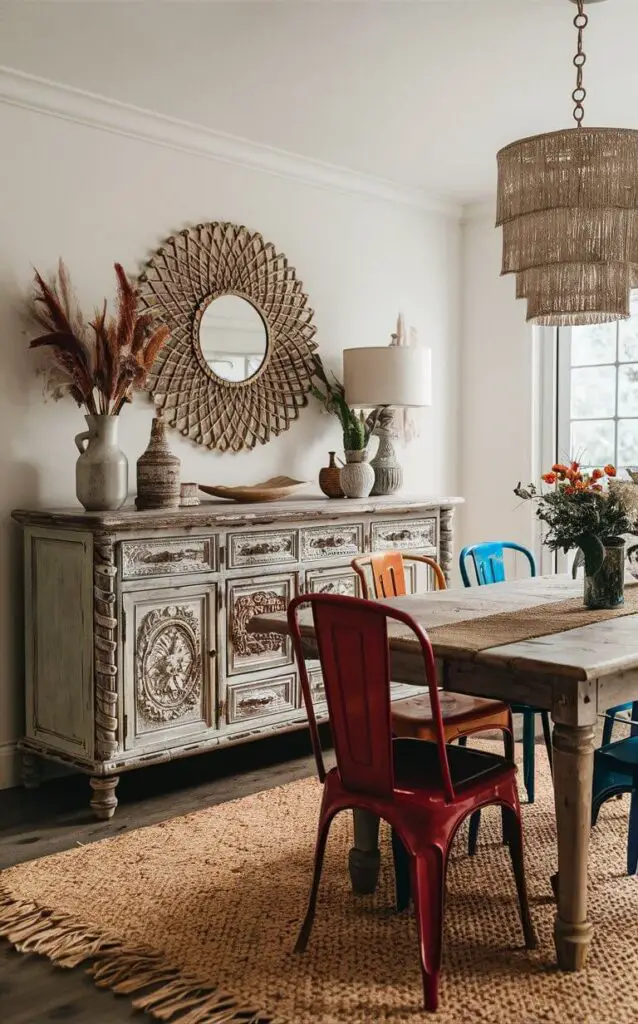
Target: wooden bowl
point(269, 490)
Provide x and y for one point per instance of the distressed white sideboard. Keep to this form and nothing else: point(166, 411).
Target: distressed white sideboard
point(137, 648)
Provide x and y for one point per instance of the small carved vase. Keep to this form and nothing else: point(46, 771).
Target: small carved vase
point(606, 588)
point(388, 474)
point(357, 476)
point(101, 472)
point(329, 479)
point(158, 472)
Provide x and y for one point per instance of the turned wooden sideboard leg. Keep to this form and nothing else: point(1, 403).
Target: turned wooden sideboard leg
point(104, 800)
point(364, 859)
point(573, 748)
point(30, 770)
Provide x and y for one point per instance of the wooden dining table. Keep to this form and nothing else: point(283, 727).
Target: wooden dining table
point(576, 674)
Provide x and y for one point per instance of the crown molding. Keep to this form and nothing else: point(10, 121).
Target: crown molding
point(45, 97)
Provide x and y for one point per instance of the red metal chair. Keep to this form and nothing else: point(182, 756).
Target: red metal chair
point(423, 789)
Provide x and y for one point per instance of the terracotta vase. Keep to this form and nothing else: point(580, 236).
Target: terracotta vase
point(158, 472)
point(329, 479)
point(357, 476)
point(101, 472)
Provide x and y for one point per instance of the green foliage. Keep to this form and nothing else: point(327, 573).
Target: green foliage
point(356, 428)
point(579, 519)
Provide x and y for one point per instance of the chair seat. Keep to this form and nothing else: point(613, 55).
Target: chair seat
point(623, 754)
point(417, 766)
point(455, 707)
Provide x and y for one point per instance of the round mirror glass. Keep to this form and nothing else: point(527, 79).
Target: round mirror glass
point(233, 337)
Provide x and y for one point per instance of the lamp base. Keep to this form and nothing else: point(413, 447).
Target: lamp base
point(388, 473)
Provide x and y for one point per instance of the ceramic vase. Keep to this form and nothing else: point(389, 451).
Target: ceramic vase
point(330, 479)
point(101, 472)
point(357, 476)
point(158, 472)
point(606, 588)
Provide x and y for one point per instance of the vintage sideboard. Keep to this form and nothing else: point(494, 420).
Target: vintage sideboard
point(137, 648)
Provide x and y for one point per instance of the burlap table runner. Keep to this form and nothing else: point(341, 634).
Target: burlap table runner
point(528, 623)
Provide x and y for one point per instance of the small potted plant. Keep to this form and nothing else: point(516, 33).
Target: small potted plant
point(357, 476)
point(99, 364)
point(580, 511)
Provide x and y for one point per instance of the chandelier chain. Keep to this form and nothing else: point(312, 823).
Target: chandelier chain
point(579, 93)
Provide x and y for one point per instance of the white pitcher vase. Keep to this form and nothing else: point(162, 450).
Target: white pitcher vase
point(101, 472)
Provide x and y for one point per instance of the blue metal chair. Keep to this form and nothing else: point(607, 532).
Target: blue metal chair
point(616, 772)
point(610, 718)
point(489, 567)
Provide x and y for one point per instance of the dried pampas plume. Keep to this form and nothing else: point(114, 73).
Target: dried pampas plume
point(101, 363)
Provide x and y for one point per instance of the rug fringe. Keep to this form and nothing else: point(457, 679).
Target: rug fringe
point(161, 990)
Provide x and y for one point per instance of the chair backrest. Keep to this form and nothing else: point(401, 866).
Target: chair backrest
point(488, 561)
point(352, 642)
point(387, 569)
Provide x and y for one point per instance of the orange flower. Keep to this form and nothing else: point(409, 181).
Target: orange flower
point(549, 478)
point(610, 470)
point(573, 474)
point(575, 466)
point(570, 490)
point(596, 487)
point(558, 467)
point(597, 474)
point(581, 485)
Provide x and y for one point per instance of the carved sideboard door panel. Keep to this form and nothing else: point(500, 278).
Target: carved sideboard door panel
point(170, 654)
point(254, 652)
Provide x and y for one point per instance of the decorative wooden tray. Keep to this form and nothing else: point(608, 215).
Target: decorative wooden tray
point(269, 490)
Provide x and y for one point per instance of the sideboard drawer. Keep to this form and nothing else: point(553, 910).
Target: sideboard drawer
point(247, 701)
point(174, 557)
point(323, 542)
point(247, 549)
point(399, 535)
point(317, 690)
point(333, 581)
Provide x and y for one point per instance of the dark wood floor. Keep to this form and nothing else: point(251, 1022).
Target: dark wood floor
point(56, 817)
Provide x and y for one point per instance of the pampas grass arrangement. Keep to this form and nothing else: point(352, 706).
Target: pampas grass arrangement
point(99, 363)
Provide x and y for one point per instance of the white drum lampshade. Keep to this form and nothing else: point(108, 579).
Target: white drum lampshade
point(393, 375)
point(399, 375)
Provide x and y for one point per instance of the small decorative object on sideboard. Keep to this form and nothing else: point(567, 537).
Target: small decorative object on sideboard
point(158, 471)
point(581, 512)
point(99, 364)
point(329, 479)
point(188, 495)
point(357, 476)
point(269, 490)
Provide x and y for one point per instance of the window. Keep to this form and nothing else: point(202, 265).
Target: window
point(597, 409)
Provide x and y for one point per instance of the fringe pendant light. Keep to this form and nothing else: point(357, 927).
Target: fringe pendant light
point(568, 205)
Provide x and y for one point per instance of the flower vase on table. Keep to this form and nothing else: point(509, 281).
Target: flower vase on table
point(581, 511)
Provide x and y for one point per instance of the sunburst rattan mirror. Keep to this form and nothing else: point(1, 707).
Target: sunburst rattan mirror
point(238, 365)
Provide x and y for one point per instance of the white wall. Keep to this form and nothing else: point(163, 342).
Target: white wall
point(96, 196)
point(498, 392)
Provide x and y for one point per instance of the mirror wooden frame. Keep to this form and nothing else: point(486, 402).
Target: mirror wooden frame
point(185, 275)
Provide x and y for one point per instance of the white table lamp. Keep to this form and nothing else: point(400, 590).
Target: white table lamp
point(392, 375)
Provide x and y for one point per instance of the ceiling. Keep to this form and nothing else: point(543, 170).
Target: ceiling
point(422, 93)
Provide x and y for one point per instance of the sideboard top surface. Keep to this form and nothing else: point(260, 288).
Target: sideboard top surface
point(225, 514)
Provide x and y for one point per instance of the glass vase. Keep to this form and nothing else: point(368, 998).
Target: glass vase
point(606, 588)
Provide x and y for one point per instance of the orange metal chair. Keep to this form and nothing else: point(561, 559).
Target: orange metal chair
point(413, 717)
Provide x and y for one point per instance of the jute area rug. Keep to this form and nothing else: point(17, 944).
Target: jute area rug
point(194, 920)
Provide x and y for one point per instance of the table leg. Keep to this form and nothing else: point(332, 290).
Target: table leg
point(364, 859)
point(573, 748)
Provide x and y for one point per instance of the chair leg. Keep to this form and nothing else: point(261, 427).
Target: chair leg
point(547, 735)
point(475, 824)
point(608, 728)
point(510, 754)
point(529, 754)
point(428, 875)
point(632, 836)
point(320, 849)
point(515, 835)
point(401, 872)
